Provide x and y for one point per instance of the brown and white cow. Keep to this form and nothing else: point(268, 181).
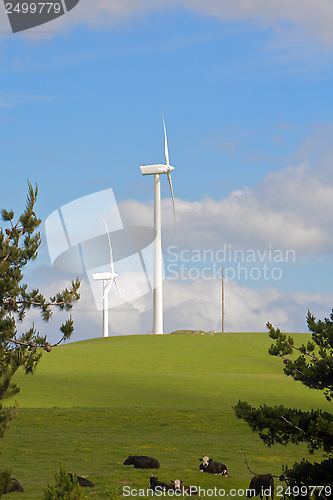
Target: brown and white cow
point(184, 489)
point(212, 467)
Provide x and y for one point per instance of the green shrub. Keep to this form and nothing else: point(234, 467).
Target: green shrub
point(5, 482)
point(65, 489)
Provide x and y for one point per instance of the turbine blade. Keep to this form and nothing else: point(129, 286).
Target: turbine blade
point(110, 248)
point(107, 289)
point(165, 144)
point(173, 199)
point(117, 286)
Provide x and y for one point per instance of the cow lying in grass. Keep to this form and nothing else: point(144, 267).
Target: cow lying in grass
point(83, 481)
point(142, 462)
point(185, 490)
point(209, 465)
point(15, 486)
point(261, 485)
point(159, 486)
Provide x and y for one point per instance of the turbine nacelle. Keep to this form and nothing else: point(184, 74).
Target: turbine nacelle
point(104, 276)
point(156, 169)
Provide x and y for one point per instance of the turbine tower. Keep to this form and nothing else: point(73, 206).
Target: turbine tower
point(107, 278)
point(156, 171)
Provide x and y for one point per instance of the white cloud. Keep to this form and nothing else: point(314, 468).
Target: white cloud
point(197, 305)
point(288, 209)
point(189, 305)
point(315, 15)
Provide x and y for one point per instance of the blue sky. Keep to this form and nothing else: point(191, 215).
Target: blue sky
point(246, 95)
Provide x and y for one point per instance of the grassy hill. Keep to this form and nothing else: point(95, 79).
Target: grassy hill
point(91, 404)
point(190, 372)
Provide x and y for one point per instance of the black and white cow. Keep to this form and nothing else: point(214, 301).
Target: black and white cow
point(142, 462)
point(185, 490)
point(262, 485)
point(159, 486)
point(209, 465)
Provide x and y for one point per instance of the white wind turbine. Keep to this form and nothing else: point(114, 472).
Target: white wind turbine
point(107, 278)
point(157, 170)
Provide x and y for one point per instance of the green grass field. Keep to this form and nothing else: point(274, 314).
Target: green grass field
point(91, 404)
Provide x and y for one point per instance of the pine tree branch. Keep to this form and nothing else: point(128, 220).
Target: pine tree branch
point(298, 428)
point(46, 304)
point(287, 360)
point(33, 345)
point(300, 350)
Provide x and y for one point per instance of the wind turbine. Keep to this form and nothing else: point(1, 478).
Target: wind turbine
point(107, 278)
point(156, 171)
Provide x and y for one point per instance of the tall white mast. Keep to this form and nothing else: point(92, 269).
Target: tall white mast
point(158, 294)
